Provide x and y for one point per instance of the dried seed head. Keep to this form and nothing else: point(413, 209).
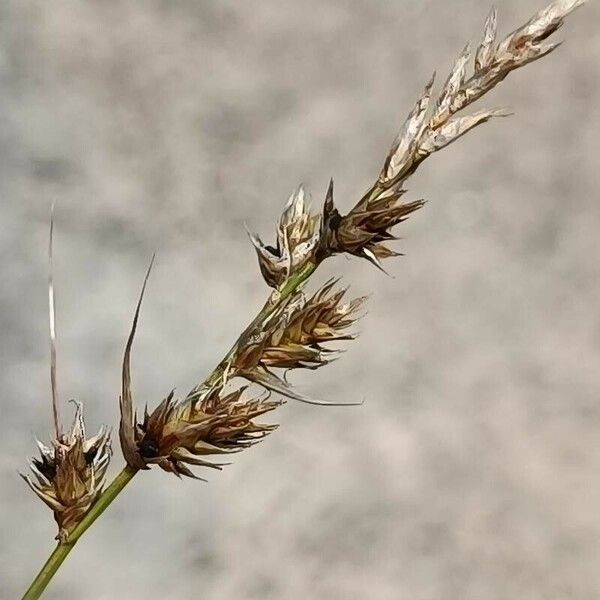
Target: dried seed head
point(294, 336)
point(178, 435)
point(296, 243)
point(492, 64)
point(365, 229)
point(455, 127)
point(69, 474)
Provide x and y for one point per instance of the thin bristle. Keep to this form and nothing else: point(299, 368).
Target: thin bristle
point(52, 324)
point(127, 356)
point(127, 426)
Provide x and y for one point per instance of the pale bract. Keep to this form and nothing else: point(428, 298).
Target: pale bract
point(296, 243)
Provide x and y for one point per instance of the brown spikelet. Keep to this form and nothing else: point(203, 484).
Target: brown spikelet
point(231, 424)
point(294, 336)
point(178, 435)
point(365, 229)
point(69, 474)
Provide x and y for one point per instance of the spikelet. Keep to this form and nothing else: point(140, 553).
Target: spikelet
point(69, 474)
point(176, 434)
point(428, 129)
point(365, 229)
point(293, 338)
point(296, 243)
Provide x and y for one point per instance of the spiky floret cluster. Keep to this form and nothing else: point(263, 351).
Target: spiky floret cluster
point(365, 230)
point(179, 434)
point(293, 338)
point(297, 338)
point(69, 474)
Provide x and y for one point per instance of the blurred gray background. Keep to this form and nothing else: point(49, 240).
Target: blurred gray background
point(472, 472)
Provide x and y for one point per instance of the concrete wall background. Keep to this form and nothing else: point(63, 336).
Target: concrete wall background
point(473, 470)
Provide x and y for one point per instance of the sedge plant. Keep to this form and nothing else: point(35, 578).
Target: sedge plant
point(294, 329)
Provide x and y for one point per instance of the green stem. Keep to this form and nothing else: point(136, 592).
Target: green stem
point(47, 571)
point(126, 475)
point(62, 550)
